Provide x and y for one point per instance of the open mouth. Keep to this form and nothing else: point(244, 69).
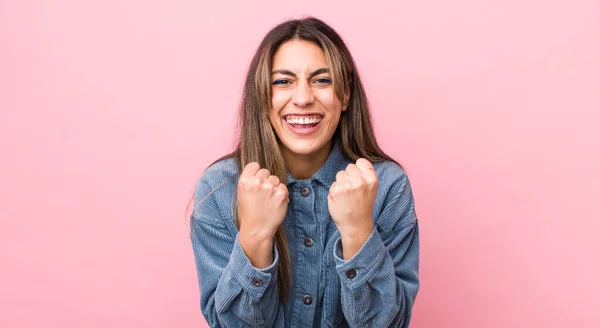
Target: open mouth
point(303, 124)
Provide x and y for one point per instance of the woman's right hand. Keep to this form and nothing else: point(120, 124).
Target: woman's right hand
point(262, 205)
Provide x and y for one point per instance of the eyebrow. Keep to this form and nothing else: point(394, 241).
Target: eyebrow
point(313, 74)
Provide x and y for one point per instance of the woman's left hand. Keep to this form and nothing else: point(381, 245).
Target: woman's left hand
point(351, 200)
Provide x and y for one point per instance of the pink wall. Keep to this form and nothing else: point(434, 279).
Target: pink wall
point(110, 110)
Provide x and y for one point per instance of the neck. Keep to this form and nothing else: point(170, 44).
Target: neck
point(304, 166)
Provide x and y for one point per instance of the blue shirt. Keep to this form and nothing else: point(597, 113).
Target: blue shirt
point(377, 287)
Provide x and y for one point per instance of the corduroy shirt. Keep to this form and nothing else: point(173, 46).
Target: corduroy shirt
point(377, 287)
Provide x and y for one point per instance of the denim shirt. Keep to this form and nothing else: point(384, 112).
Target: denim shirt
point(377, 287)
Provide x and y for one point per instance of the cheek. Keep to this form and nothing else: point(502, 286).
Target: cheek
point(274, 118)
point(330, 101)
point(334, 108)
point(279, 99)
point(275, 109)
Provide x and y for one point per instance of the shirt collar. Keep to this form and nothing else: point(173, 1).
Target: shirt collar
point(336, 161)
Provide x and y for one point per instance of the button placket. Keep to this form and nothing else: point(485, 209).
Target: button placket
point(306, 230)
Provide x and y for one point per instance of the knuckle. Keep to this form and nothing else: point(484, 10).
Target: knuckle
point(256, 181)
point(335, 189)
point(281, 193)
point(332, 188)
point(252, 166)
point(364, 163)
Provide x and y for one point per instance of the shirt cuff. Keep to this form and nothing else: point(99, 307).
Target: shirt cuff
point(363, 265)
point(254, 281)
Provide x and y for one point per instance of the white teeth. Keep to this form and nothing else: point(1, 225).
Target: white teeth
point(303, 120)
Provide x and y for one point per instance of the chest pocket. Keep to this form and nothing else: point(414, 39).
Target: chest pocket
point(332, 293)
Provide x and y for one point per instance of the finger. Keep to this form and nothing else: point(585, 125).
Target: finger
point(353, 171)
point(282, 191)
point(367, 169)
point(250, 170)
point(342, 176)
point(335, 189)
point(263, 173)
point(274, 180)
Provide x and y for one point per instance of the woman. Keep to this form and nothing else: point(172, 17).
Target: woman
point(307, 223)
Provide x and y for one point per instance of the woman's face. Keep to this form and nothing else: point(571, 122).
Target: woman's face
point(305, 109)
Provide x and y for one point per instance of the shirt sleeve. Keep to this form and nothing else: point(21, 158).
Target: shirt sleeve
point(380, 282)
point(233, 293)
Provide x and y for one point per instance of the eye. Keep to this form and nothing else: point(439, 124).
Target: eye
point(323, 80)
point(282, 82)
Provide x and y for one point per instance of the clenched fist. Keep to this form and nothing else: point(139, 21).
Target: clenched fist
point(351, 200)
point(262, 201)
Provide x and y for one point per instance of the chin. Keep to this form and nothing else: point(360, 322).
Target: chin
point(303, 147)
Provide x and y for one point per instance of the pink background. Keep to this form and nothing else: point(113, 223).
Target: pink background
point(110, 110)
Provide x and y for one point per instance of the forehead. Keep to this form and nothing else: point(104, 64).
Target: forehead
point(299, 55)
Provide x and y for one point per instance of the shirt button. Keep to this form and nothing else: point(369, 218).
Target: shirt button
point(307, 299)
point(304, 191)
point(308, 242)
point(351, 273)
point(257, 282)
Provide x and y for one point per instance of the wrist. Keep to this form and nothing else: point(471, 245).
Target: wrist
point(258, 234)
point(259, 250)
point(353, 240)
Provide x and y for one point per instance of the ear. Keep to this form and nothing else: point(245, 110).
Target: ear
point(346, 98)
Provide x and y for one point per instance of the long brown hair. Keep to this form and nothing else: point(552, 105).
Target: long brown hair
point(257, 141)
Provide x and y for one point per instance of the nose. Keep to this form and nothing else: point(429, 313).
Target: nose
point(303, 95)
